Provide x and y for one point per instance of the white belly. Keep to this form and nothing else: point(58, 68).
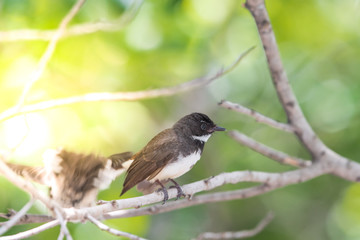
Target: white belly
point(178, 168)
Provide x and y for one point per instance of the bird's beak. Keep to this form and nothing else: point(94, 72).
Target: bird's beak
point(217, 128)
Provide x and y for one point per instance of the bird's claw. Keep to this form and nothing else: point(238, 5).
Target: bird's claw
point(165, 192)
point(180, 192)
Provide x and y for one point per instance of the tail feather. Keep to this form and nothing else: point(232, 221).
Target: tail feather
point(124, 190)
point(36, 174)
point(119, 159)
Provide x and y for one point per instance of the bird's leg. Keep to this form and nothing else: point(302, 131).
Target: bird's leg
point(180, 192)
point(164, 190)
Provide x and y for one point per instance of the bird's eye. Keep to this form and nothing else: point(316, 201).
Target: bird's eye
point(203, 126)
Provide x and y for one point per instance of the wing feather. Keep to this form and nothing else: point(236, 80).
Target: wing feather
point(151, 159)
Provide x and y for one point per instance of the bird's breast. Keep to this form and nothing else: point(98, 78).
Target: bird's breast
point(178, 167)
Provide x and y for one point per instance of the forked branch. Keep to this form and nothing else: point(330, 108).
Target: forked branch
point(284, 91)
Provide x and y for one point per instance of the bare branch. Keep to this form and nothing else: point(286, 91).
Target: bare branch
point(16, 217)
point(27, 218)
point(80, 29)
point(257, 116)
point(122, 96)
point(271, 180)
point(35, 75)
point(195, 200)
point(61, 235)
point(64, 231)
point(267, 151)
point(168, 207)
point(340, 165)
point(284, 91)
point(240, 234)
point(115, 232)
point(31, 232)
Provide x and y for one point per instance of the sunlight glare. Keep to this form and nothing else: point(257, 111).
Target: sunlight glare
point(26, 134)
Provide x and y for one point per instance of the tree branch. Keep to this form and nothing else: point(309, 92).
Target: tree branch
point(27, 218)
point(257, 116)
point(240, 234)
point(284, 91)
point(267, 151)
point(31, 232)
point(115, 232)
point(339, 165)
point(64, 231)
point(271, 180)
point(80, 29)
point(35, 75)
point(7, 225)
point(123, 96)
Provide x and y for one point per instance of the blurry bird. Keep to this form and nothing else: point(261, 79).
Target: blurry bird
point(75, 179)
point(170, 154)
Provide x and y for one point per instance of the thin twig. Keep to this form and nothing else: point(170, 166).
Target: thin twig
point(257, 116)
point(27, 218)
point(268, 151)
point(239, 234)
point(25, 135)
point(122, 96)
point(36, 74)
point(115, 232)
point(64, 231)
point(31, 232)
point(16, 217)
point(76, 30)
point(61, 235)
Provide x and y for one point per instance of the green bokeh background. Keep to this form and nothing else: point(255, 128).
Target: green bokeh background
point(170, 42)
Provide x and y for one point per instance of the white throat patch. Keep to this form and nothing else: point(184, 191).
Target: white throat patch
point(202, 138)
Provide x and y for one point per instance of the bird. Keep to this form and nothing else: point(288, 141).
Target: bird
point(75, 178)
point(170, 154)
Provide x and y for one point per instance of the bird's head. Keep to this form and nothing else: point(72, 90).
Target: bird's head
point(197, 125)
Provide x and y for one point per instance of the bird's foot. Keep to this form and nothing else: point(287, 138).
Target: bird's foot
point(165, 192)
point(180, 192)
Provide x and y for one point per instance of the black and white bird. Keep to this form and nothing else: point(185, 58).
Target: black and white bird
point(75, 179)
point(170, 154)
